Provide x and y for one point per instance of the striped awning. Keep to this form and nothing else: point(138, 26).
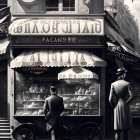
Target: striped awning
point(3, 45)
point(114, 36)
point(57, 58)
point(77, 73)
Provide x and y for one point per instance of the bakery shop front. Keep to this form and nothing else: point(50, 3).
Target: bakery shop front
point(67, 52)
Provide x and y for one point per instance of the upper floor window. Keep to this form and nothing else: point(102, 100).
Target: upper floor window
point(52, 5)
point(68, 5)
point(61, 5)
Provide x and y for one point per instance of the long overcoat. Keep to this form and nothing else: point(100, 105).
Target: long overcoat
point(53, 107)
point(120, 97)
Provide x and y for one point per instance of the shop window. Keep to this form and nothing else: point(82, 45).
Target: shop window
point(31, 90)
point(80, 96)
point(61, 5)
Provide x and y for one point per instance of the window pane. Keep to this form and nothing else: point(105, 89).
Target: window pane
point(52, 5)
point(68, 5)
point(72, 3)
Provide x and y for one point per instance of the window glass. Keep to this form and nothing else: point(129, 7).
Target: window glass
point(60, 5)
point(81, 97)
point(52, 5)
point(30, 93)
point(68, 5)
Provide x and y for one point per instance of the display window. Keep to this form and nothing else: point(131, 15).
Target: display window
point(80, 96)
point(135, 106)
point(30, 94)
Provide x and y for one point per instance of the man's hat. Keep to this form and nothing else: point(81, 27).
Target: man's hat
point(121, 71)
point(53, 88)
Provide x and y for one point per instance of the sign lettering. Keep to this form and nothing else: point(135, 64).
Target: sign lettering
point(90, 26)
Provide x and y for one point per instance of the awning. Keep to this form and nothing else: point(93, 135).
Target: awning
point(119, 51)
point(57, 58)
point(114, 36)
point(3, 45)
point(77, 73)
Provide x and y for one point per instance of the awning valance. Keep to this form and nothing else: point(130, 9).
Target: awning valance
point(77, 73)
point(114, 36)
point(57, 58)
point(3, 45)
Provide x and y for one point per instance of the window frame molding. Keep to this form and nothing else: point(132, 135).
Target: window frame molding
point(60, 11)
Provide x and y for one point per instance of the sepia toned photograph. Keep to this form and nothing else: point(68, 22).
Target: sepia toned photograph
point(69, 69)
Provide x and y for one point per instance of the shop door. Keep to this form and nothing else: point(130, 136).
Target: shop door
point(3, 94)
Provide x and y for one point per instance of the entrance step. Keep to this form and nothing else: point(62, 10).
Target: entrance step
point(4, 129)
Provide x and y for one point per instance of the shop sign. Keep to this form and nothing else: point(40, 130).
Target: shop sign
point(18, 41)
point(58, 26)
point(123, 57)
point(75, 76)
point(77, 73)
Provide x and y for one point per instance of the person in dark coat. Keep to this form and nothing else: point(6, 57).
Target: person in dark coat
point(120, 96)
point(53, 107)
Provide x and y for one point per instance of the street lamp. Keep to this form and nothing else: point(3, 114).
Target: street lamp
point(114, 9)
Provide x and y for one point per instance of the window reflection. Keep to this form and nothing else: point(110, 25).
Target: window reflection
point(68, 5)
point(52, 5)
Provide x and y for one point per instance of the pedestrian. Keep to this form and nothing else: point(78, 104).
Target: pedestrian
point(120, 97)
point(53, 107)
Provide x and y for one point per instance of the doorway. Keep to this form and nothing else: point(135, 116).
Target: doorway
point(3, 94)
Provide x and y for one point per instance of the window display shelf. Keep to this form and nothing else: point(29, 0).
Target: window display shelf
point(88, 108)
point(35, 92)
point(76, 95)
point(34, 101)
point(71, 108)
point(77, 101)
point(81, 108)
point(29, 107)
point(29, 115)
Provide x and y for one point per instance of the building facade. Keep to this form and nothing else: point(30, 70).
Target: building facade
point(70, 44)
point(61, 43)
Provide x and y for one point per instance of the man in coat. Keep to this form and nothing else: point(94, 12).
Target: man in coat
point(120, 97)
point(53, 107)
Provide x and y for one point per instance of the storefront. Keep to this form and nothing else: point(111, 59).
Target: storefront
point(120, 54)
point(67, 52)
point(4, 49)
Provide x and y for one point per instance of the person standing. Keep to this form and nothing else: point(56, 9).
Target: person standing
point(53, 107)
point(120, 96)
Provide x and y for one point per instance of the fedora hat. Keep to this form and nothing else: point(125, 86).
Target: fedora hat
point(53, 88)
point(121, 70)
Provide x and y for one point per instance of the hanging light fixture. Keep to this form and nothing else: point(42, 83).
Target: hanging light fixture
point(114, 9)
